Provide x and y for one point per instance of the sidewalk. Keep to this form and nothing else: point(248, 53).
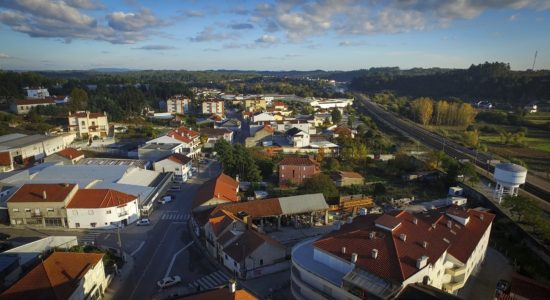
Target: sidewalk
point(117, 281)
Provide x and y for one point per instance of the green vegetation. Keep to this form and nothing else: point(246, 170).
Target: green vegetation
point(237, 161)
point(319, 183)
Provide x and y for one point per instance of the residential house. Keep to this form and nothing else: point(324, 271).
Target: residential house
point(178, 104)
point(23, 106)
point(287, 124)
point(262, 137)
point(89, 125)
point(221, 189)
point(345, 178)
point(255, 104)
point(294, 169)
point(220, 230)
point(225, 293)
point(216, 134)
point(213, 106)
point(182, 139)
point(41, 204)
point(102, 208)
point(297, 138)
point(258, 120)
point(343, 131)
point(37, 92)
point(62, 275)
point(177, 163)
point(438, 248)
point(231, 124)
point(67, 156)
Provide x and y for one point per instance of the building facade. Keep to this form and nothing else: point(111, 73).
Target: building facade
point(213, 107)
point(178, 104)
point(89, 125)
point(294, 169)
point(179, 164)
point(23, 106)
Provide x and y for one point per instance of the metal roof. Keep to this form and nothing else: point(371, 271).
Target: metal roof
point(510, 167)
point(302, 204)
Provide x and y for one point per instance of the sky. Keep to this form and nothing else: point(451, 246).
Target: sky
point(272, 35)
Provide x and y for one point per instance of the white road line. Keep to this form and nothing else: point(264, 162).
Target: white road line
point(194, 284)
point(174, 258)
point(211, 280)
point(220, 276)
point(203, 283)
point(107, 236)
point(138, 248)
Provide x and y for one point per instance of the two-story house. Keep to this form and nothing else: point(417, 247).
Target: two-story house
point(89, 125)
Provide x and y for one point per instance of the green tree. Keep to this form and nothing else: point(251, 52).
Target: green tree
point(319, 183)
point(78, 99)
point(519, 205)
point(336, 115)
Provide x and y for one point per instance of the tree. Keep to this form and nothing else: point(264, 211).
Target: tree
point(78, 99)
point(519, 205)
point(319, 183)
point(422, 109)
point(336, 115)
point(471, 138)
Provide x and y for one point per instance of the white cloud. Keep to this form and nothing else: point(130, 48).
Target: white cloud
point(86, 4)
point(208, 34)
point(133, 21)
point(4, 56)
point(513, 18)
point(156, 47)
point(267, 39)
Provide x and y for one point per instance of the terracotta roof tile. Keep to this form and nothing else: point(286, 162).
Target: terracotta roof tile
point(55, 278)
point(388, 221)
point(345, 174)
point(212, 132)
point(221, 187)
point(255, 209)
point(221, 294)
point(99, 198)
point(55, 192)
point(34, 101)
point(293, 160)
point(5, 158)
point(83, 114)
point(247, 243)
point(70, 153)
point(179, 158)
point(183, 134)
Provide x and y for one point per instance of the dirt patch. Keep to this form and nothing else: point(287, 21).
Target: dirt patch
point(536, 160)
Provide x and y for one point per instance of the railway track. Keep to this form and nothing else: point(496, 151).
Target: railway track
point(533, 185)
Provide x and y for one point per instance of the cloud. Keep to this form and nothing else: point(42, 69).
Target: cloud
point(86, 4)
point(4, 56)
point(64, 21)
point(302, 19)
point(267, 39)
point(351, 43)
point(156, 47)
point(208, 34)
point(193, 13)
point(513, 18)
point(241, 26)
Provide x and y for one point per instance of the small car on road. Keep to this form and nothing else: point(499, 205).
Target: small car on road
point(165, 199)
point(168, 281)
point(143, 222)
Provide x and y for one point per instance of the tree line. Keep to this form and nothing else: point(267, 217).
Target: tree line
point(426, 112)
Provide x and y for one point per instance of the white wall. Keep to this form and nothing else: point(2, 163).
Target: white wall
point(85, 217)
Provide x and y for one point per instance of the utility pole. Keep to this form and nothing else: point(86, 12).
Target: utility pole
point(119, 242)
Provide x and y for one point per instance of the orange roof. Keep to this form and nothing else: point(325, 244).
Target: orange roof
point(5, 158)
point(99, 198)
point(221, 294)
point(55, 278)
point(396, 258)
point(294, 160)
point(179, 158)
point(70, 153)
point(267, 128)
point(83, 114)
point(34, 101)
point(343, 130)
point(55, 192)
point(183, 134)
point(345, 174)
point(255, 209)
point(247, 243)
point(221, 187)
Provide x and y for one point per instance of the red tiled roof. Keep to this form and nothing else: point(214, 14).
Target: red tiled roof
point(247, 243)
point(5, 158)
point(83, 114)
point(179, 158)
point(212, 132)
point(219, 223)
point(221, 294)
point(254, 209)
point(55, 192)
point(345, 174)
point(342, 130)
point(99, 198)
point(267, 128)
point(297, 161)
point(34, 101)
point(183, 134)
point(388, 221)
point(396, 258)
point(55, 278)
point(458, 211)
point(70, 153)
point(221, 187)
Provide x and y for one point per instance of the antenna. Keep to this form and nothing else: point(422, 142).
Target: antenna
point(534, 61)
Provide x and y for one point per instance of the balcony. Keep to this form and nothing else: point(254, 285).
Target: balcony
point(122, 213)
point(452, 286)
point(36, 215)
point(456, 271)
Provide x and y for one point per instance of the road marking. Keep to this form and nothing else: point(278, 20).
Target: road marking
point(174, 258)
point(107, 236)
point(138, 248)
point(210, 280)
point(203, 283)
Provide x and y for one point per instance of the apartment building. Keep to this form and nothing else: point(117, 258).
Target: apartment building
point(89, 125)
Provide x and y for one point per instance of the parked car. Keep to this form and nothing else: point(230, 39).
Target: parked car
point(503, 287)
point(165, 199)
point(169, 281)
point(143, 222)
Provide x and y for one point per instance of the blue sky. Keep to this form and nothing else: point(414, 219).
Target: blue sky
point(272, 35)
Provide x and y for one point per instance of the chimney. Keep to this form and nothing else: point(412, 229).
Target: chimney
point(374, 253)
point(422, 262)
point(403, 237)
point(372, 235)
point(237, 178)
point(343, 250)
point(65, 185)
point(449, 224)
point(481, 217)
point(424, 244)
point(232, 286)
point(415, 221)
point(350, 220)
point(354, 258)
point(44, 195)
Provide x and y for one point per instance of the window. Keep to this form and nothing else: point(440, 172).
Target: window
point(77, 225)
point(83, 123)
point(293, 173)
point(235, 264)
point(27, 210)
point(108, 211)
point(16, 210)
point(261, 262)
point(49, 209)
point(226, 256)
point(93, 225)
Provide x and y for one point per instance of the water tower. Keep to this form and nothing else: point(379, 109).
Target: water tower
point(508, 177)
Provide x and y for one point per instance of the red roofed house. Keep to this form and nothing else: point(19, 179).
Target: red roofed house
point(68, 156)
point(63, 275)
point(188, 141)
point(378, 255)
point(177, 163)
point(294, 169)
point(262, 137)
point(89, 125)
point(222, 189)
point(23, 106)
point(222, 293)
point(41, 204)
point(102, 208)
point(344, 178)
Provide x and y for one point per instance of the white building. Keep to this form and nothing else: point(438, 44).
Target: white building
point(213, 107)
point(318, 104)
point(178, 104)
point(89, 125)
point(258, 121)
point(216, 134)
point(378, 255)
point(298, 138)
point(177, 163)
point(187, 141)
point(508, 179)
point(25, 149)
point(23, 106)
point(37, 92)
point(101, 208)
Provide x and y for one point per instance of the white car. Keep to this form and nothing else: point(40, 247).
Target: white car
point(165, 199)
point(168, 281)
point(143, 222)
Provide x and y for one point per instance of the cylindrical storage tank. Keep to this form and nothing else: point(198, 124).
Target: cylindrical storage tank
point(509, 174)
